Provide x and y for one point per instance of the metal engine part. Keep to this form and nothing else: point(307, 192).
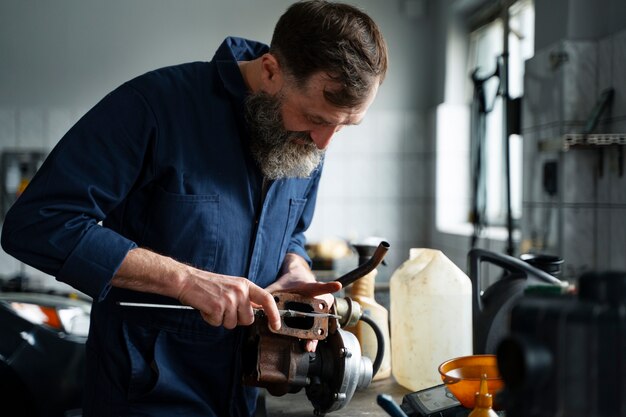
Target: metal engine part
point(278, 361)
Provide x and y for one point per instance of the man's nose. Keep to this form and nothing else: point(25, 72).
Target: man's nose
point(323, 135)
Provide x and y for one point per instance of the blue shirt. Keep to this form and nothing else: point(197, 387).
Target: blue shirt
point(163, 163)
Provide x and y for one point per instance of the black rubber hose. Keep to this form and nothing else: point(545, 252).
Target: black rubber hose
point(367, 267)
point(380, 341)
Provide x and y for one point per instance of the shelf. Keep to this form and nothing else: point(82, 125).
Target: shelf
point(581, 140)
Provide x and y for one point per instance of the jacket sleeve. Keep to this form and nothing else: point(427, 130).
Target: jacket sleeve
point(298, 240)
point(54, 225)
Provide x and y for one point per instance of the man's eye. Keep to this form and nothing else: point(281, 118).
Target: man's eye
point(318, 122)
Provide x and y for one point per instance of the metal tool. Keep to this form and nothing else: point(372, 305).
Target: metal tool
point(282, 313)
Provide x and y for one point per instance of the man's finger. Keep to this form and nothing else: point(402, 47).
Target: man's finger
point(212, 319)
point(229, 320)
point(260, 296)
point(311, 345)
point(245, 314)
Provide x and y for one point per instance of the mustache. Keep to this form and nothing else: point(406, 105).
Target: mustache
point(301, 137)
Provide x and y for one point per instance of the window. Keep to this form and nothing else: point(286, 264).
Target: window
point(486, 46)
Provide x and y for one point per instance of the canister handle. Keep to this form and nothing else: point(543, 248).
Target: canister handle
point(476, 256)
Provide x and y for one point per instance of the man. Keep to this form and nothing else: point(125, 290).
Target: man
point(204, 178)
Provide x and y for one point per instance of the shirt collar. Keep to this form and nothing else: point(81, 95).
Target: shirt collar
point(229, 52)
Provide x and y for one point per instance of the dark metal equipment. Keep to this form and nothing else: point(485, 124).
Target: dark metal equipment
point(491, 306)
point(566, 355)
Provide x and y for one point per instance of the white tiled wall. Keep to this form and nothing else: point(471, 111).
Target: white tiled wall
point(586, 221)
point(374, 184)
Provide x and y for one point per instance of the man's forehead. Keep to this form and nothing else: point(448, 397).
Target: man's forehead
point(315, 90)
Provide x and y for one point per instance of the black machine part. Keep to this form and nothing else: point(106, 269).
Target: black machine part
point(435, 401)
point(491, 306)
point(565, 354)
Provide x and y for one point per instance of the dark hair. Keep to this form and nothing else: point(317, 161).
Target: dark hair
point(334, 38)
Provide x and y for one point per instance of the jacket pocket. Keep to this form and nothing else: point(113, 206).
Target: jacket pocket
point(185, 227)
point(177, 367)
point(140, 345)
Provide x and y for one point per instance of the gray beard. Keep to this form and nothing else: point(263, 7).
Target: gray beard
point(273, 148)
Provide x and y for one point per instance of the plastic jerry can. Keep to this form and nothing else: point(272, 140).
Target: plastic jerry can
point(430, 315)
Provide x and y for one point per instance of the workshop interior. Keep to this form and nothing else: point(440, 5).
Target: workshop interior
point(476, 218)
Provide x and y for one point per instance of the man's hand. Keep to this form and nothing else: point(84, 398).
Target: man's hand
point(297, 278)
point(221, 299)
point(226, 300)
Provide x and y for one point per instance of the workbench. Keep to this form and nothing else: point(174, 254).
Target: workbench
point(363, 402)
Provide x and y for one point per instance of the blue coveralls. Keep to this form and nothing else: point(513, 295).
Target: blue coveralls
point(163, 163)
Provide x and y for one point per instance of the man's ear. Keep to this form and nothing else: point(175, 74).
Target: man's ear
point(272, 77)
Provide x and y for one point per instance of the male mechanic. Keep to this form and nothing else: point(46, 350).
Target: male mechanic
point(193, 185)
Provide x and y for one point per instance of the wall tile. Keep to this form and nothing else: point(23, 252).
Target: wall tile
point(331, 183)
point(359, 173)
point(617, 179)
point(389, 132)
point(328, 221)
point(542, 90)
point(8, 135)
point(31, 128)
point(354, 139)
point(413, 220)
point(413, 178)
point(415, 140)
point(604, 243)
point(579, 79)
point(385, 220)
point(605, 67)
point(580, 175)
point(604, 191)
point(619, 74)
point(617, 239)
point(429, 162)
point(360, 220)
point(362, 137)
point(387, 181)
point(579, 243)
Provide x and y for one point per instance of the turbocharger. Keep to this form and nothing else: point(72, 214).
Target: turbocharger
point(278, 362)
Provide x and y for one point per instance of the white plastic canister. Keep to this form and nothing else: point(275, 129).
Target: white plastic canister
point(431, 317)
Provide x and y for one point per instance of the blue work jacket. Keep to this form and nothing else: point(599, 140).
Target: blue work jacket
point(162, 162)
